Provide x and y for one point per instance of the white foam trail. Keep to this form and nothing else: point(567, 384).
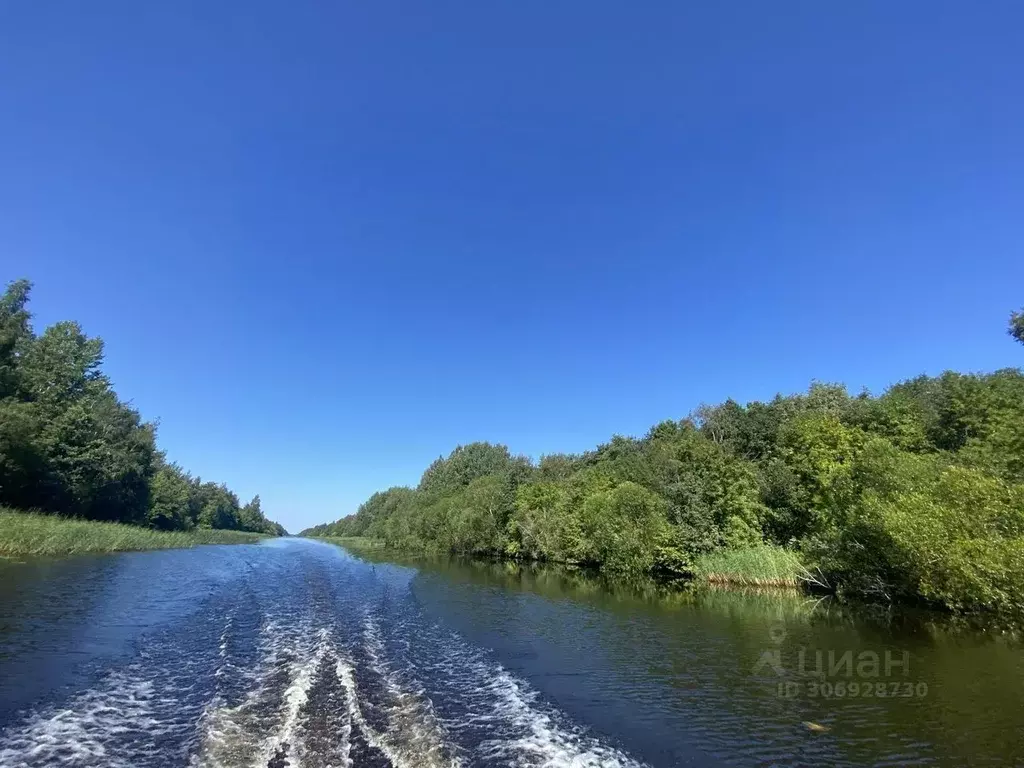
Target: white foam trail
point(398, 755)
point(294, 697)
point(521, 730)
point(525, 731)
point(500, 717)
point(251, 732)
point(91, 728)
point(344, 673)
point(542, 740)
point(226, 667)
point(414, 737)
point(117, 722)
point(225, 634)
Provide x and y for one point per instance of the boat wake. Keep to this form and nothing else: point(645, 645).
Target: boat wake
point(312, 685)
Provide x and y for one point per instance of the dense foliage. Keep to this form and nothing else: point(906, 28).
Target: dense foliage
point(69, 446)
point(917, 493)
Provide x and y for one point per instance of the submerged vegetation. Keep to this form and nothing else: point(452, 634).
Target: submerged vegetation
point(69, 446)
point(914, 494)
point(23, 533)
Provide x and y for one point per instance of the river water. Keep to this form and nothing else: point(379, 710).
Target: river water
point(298, 653)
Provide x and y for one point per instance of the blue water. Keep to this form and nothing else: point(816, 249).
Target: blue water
point(297, 653)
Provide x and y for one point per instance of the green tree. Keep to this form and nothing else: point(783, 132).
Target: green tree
point(479, 515)
point(15, 334)
point(624, 528)
point(63, 365)
point(558, 466)
point(545, 524)
point(1017, 326)
point(98, 453)
point(464, 465)
point(251, 518)
point(713, 497)
point(218, 507)
point(24, 470)
point(894, 416)
point(169, 499)
point(819, 450)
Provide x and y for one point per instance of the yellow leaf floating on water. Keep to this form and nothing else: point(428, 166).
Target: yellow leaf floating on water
point(815, 727)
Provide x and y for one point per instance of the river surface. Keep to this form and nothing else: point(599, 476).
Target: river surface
point(298, 653)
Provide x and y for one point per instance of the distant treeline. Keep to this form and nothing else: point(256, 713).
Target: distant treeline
point(917, 493)
point(69, 446)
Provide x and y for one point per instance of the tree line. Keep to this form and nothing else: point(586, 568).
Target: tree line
point(70, 446)
point(916, 493)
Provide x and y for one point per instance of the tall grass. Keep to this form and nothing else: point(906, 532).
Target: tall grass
point(763, 566)
point(25, 533)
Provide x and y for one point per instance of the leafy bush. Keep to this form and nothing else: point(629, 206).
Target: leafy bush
point(923, 527)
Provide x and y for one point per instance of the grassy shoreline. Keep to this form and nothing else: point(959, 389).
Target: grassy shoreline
point(763, 567)
point(27, 534)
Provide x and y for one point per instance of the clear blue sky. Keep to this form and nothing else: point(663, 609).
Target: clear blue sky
point(326, 242)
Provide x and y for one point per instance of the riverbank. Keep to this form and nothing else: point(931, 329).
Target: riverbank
point(26, 533)
point(765, 566)
point(361, 542)
point(734, 575)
